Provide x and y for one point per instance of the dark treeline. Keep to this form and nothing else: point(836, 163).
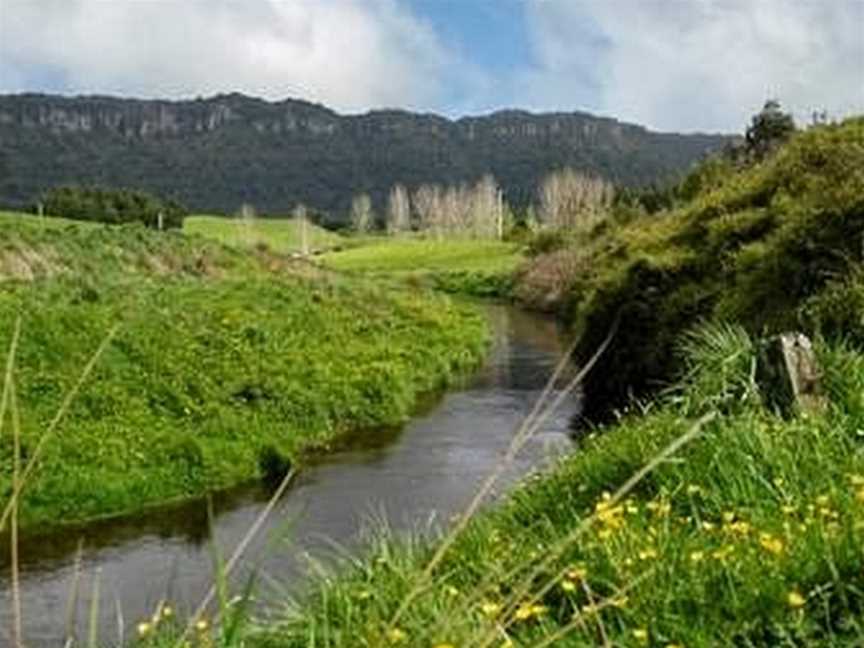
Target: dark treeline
point(115, 206)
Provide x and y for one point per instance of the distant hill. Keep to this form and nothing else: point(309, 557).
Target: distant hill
point(214, 154)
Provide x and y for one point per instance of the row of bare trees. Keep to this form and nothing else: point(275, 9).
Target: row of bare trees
point(573, 200)
point(463, 211)
point(567, 199)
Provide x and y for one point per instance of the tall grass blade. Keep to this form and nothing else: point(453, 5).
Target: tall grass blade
point(72, 601)
point(238, 553)
point(17, 633)
point(93, 633)
point(55, 422)
point(528, 428)
point(523, 589)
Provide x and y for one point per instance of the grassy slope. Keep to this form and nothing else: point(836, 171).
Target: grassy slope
point(480, 268)
point(752, 536)
point(279, 235)
point(752, 248)
point(223, 363)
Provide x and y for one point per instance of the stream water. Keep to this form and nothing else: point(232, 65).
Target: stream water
point(427, 470)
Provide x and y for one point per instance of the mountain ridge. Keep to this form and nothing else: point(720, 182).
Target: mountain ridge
point(218, 152)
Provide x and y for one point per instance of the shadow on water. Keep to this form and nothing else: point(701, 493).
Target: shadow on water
point(427, 469)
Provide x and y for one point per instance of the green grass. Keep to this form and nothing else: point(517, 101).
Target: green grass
point(750, 535)
point(478, 268)
point(278, 234)
point(226, 363)
point(22, 219)
point(413, 256)
point(32, 248)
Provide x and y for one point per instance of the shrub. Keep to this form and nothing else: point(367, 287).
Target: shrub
point(113, 206)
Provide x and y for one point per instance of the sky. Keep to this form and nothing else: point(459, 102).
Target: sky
point(673, 65)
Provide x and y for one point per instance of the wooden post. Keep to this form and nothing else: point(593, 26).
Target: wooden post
point(159, 220)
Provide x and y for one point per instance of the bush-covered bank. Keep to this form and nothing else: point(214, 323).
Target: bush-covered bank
point(751, 535)
point(750, 245)
point(218, 370)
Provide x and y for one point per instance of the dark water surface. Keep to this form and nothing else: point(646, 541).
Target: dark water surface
point(429, 469)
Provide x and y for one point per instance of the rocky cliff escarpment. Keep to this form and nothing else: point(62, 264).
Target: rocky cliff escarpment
point(216, 153)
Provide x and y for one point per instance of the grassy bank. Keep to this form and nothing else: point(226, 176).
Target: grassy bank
point(281, 235)
point(225, 364)
point(750, 535)
point(474, 267)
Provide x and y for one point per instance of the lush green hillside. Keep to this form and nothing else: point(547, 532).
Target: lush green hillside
point(278, 234)
point(218, 153)
point(225, 364)
point(753, 246)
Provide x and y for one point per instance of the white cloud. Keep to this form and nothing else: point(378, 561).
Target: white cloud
point(698, 64)
point(669, 64)
point(351, 55)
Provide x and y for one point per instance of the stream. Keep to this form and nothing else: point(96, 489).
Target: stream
point(415, 478)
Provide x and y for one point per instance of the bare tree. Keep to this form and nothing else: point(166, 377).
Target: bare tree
point(569, 199)
point(428, 205)
point(246, 224)
point(484, 208)
point(398, 210)
point(361, 213)
point(303, 224)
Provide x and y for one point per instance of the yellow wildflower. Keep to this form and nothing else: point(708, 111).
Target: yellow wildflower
point(167, 612)
point(576, 574)
point(490, 609)
point(396, 635)
point(723, 552)
point(788, 509)
point(823, 500)
point(697, 556)
point(444, 645)
point(856, 480)
point(771, 544)
point(647, 554)
point(528, 611)
point(201, 625)
point(708, 526)
point(660, 509)
point(568, 585)
point(144, 629)
point(795, 599)
point(640, 635)
point(620, 601)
